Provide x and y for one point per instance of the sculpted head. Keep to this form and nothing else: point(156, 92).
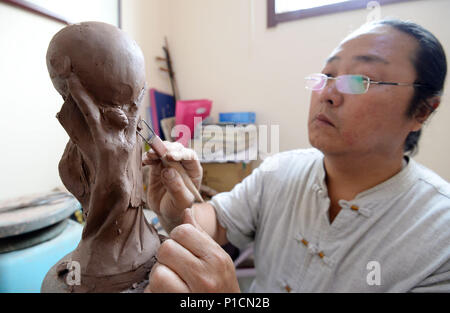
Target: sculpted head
point(109, 64)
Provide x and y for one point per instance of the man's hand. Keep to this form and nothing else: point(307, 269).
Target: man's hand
point(191, 261)
point(167, 195)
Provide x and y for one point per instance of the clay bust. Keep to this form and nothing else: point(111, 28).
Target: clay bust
point(99, 71)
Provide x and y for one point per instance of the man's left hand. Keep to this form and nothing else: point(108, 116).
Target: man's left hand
point(191, 261)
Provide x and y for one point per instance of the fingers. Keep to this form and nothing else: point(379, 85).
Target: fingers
point(172, 147)
point(177, 152)
point(155, 189)
point(181, 196)
point(167, 195)
point(150, 158)
point(180, 260)
point(168, 179)
point(192, 237)
point(189, 218)
point(163, 279)
point(87, 106)
point(189, 160)
point(199, 261)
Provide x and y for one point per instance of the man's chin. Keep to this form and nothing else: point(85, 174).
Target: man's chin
point(325, 146)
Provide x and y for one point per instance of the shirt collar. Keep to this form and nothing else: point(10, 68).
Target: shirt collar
point(395, 185)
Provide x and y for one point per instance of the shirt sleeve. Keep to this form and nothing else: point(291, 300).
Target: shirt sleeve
point(437, 282)
point(239, 210)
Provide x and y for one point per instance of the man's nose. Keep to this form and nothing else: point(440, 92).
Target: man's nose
point(330, 95)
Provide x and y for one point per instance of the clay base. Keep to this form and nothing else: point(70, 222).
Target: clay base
point(56, 280)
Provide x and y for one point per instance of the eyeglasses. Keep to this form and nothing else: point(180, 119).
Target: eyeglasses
point(349, 84)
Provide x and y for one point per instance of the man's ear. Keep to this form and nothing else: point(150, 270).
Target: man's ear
point(424, 112)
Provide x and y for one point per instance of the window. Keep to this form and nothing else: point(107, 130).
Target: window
point(282, 6)
point(279, 11)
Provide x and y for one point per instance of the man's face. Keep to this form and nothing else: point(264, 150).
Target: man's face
point(374, 122)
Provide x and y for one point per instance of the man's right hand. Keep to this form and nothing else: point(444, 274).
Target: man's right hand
point(167, 195)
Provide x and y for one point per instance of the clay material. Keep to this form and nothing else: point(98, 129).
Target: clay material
point(100, 73)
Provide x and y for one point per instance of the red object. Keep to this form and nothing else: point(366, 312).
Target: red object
point(185, 112)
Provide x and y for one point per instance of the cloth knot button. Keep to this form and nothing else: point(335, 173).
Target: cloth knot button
point(365, 212)
point(313, 248)
point(343, 204)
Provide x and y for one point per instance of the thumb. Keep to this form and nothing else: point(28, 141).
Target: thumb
point(189, 218)
point(180, 194)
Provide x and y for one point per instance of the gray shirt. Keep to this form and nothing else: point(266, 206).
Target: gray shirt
point(394, 237)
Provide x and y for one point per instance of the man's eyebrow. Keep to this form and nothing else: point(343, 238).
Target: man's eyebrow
point(331, 59)
point(369, 58)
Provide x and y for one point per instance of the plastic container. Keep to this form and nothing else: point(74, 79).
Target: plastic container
point(23, 271)
point(238, 117)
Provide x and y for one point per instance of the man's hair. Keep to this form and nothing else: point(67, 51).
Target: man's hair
point(430, 64)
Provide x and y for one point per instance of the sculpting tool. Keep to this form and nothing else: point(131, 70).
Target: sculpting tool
point(161, 151)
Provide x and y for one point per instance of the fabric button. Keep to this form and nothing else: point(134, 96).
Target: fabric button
point(315, 188)
point(322, 193)
point(365, 212)
point(343, 204)
point(312, 248)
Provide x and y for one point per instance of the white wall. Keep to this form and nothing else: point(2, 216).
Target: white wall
point(32, 141)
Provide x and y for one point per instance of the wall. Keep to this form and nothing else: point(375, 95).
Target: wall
point(32, 141)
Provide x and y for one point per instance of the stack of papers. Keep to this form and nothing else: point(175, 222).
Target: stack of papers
point(226, 142)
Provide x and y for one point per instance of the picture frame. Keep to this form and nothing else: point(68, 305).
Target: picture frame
point(274, 18)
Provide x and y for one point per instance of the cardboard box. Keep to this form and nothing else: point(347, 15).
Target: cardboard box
point(224, 176)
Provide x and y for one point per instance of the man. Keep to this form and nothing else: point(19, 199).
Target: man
point(355, 214)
